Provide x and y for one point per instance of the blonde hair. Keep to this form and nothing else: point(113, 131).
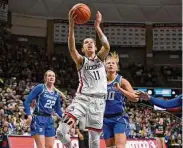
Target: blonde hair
point(113, 55)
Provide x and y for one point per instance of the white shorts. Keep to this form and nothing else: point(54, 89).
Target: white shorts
point(89, 106)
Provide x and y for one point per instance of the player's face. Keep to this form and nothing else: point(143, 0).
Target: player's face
point(50, 77)
point(111, 65)
point(89, 45)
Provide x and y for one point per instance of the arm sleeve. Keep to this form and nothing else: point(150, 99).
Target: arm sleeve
point(33, 94)
point(58, 107)
point(175, 102)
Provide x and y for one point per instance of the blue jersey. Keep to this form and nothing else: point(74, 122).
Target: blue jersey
point(115, 102)
point(46, 102)
point(116, 120)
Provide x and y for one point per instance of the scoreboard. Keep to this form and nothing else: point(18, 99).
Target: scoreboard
point(126, 34)
point(167, 37)
point(81, 31)
point(118, 34)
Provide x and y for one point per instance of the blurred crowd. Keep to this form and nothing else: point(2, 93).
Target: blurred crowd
point(143, 75)
point(144, 121)
point(23, 66)
point(171, 73)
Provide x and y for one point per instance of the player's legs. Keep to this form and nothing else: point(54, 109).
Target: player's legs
point(49, 134)
point(49, 142)
point(40, 140)
point(108, 133)
point(121, 131)
point(74, 111)
point(94, 138)
point(94, 121)
point(120, 140)
point(110, 143)
point(64, 128)
point(38, 125)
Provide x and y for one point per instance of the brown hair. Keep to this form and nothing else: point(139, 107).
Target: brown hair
point(91, 39)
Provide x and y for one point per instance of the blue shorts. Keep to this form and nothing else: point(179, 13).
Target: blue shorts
point(115, 125)
point(42, 125)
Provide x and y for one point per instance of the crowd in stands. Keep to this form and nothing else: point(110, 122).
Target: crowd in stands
point(143, 75)
point(144, 120)
point(23, 67)
point(171, 73)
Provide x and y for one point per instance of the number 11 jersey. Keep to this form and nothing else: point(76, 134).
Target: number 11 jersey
point(92, 77)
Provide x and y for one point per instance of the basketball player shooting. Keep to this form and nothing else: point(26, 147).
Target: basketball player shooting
point(90, 95)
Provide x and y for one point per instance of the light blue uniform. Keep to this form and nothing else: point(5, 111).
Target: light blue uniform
point(116, 119)
point(46, 103)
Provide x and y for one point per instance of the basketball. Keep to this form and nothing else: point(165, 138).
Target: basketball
point(82, 13)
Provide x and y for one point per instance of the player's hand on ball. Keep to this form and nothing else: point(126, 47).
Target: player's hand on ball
point(98, 19)
point(116, 86)
point(72, 16)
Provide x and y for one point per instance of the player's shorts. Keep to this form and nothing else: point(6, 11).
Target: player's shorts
point(92, 107)
point(82, 123)
point(42, 125)
point(115, 125)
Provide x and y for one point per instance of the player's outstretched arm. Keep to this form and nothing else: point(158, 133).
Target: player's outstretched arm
point(127, 90)
point(33, 94)
point(105, 44)
point(71, 41)
point(175, 102)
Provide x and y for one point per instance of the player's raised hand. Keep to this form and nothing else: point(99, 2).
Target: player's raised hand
point(71, 17)
point(98, 19)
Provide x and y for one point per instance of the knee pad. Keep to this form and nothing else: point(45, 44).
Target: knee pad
point(94, 139)
point(63, 133)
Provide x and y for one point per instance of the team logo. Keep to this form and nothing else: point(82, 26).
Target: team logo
point(40, 129)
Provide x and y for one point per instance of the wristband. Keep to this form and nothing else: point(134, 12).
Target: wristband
point(103, 39)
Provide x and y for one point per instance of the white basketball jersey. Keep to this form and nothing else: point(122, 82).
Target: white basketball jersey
point(92, 77)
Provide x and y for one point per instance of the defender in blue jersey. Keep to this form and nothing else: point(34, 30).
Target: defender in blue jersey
point(48, 101)
point(116, 121)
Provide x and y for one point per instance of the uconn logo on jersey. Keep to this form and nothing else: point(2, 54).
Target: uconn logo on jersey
point(92, 67)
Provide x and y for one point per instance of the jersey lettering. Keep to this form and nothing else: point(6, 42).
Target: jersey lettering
point(93, 67)
point(96, 75)
point(92, 77)
point(110, 95)
point(49, 103)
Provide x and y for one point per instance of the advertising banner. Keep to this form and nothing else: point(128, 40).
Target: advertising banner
point(28, 142)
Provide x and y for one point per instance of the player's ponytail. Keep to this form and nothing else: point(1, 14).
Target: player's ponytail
point(61, 94)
